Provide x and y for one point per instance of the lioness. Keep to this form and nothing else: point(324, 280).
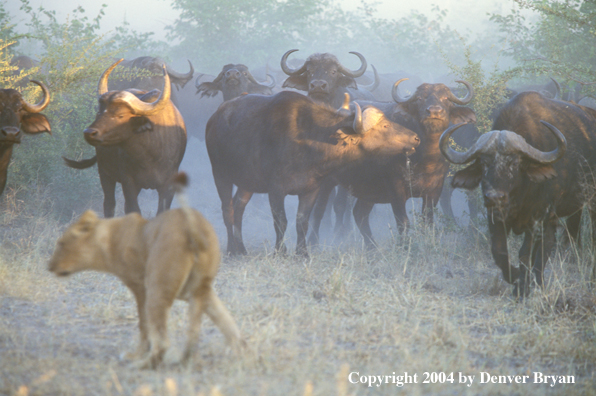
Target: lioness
point(174, 255)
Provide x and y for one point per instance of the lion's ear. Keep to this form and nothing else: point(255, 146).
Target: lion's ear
point(87, 221)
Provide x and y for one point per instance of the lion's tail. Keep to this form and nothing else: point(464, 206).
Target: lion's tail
point(196, 237)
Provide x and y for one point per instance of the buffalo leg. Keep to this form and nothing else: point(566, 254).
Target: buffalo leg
point(428, 204)
point(340, 205)
point(573, 231)
point(241, 199)
point(165, 198)
point(543, 249)
point(131, 194)
point(319, 210)
point(224, 190)
point(401, 216)
point(522, 289)
point(305, 205)
point(109, 196)
point(472, 204)
point(361, 213)
point(280, 221)
point(445, 200)
point(499, 250)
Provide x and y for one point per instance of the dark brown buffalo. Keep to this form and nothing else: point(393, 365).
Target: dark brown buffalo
point(139, 139)
point(287, 144)
point(530, 177)
point(17, 117)
point(326, 80)
point(233, 81)
point(428, 112)
point(23, 64)
point(153, 65)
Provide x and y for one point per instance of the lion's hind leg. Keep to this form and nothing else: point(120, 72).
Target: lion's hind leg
point(222, 318)
point(163, 285)
point(196, 307)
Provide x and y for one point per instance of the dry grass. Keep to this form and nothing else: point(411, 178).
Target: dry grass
point(431, 302)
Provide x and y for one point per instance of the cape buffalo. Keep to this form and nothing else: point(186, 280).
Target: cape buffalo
point(153, 65)
point(326, 80)
point(287, 144)
point(530, 177)
point(139, 139)
point(16, 116)
point(428, 112)
point(233, 81)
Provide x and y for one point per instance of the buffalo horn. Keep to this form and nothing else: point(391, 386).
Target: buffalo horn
point(102, 87)
point(550, 157)
point(467, 99)
point(143, 108)
point(184, 77)
point(395, 94)
point(287, 69)
point(357, 125)
point(375, 83)
point(355, 73)
point(557, 89)
point(453, 156)
point(36, 108)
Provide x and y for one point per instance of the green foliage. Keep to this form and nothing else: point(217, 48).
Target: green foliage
point(490, 89)
point(252, 31)
point(73, 56)
point(415, 42)
point(559, 40)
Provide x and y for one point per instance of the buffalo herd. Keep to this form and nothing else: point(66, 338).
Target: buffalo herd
point(319, 132)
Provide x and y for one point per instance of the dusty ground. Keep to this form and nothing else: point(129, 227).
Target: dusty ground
point(432, 302)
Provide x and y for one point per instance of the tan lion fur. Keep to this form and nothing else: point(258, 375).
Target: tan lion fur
point(173, 256)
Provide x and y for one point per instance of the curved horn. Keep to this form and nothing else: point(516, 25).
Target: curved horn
point(36, 108)
point(455, 157)
point(272, 83)
point(550, 157)
point(184, 77)
point(344, 110)
point(143, 108)
point(557, 89)
point(395, 94)
point(357, 124)
point(355, 73)
point(375, 83)
point(287, 69)
point(197, 83)
point(467, 99)
point(102, 87)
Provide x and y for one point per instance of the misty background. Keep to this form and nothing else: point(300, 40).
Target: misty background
point(495, 45)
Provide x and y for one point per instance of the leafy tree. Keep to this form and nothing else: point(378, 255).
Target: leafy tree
point(72, 56)
point(559, 40)
point(252, 31)
point(416, 41)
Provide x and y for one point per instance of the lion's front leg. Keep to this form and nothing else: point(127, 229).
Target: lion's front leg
point(143, 347)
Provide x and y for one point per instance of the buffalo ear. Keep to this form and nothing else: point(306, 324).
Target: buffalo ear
point(459, 114)
point(346, 138)
point(540, 173)
point(469, 177)
point(208, 89)
point(33, 123)
point(141, 124)
point(297, 82)
point(348, 82)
